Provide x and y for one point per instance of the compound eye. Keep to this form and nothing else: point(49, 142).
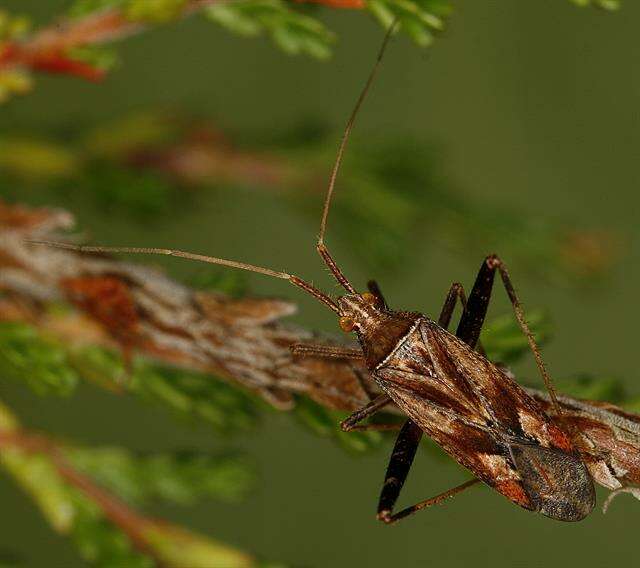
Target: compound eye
point(370, 298)
point(346, 324)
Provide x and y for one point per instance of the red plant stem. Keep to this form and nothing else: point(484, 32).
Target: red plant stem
point(48, 49)
point(115, 510)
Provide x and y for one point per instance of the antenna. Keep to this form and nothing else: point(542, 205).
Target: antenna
point(309, 288)
point(321, 247)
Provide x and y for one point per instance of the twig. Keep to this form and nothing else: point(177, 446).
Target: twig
point(241, 340)
point(154, 538)
point(49, 50)
point(117, 511)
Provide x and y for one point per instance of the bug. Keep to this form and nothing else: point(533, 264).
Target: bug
point(447, 389)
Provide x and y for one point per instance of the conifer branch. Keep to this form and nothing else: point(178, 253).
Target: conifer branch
point(74, 504)
point(241, 340)
point(74, 44)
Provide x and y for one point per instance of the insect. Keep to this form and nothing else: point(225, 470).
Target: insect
point(448, 390)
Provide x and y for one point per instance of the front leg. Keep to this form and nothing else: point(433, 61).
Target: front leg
point(456, 292)
point(325, 351)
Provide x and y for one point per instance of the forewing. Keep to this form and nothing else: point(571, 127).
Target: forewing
point(487, 422)
point(433, 364)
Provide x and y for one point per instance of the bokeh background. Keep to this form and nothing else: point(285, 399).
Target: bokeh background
point(528, 107)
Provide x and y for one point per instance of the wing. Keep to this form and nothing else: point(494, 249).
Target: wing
point(486, 422)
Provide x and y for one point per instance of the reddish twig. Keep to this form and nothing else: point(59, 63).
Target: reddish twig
point(114, 509)
point(50, 49)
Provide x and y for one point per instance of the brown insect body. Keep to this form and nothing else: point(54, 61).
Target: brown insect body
point(472, 409)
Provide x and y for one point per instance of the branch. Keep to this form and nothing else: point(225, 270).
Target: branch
point(241, 340)
point(70, 46)
point(70, 499)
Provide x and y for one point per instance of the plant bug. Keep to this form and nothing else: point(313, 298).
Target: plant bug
point(478, 414)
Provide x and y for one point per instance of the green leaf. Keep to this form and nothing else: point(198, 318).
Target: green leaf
point(182, 477)
point(326, 423)
point(610, 5)
point(589, 387)
point(98, 57)
point(142, 193)
point(101, 543)
point(154, 11)
point(13, 27)
point(81, 8)
point(420, 19)
point(31, 159)
point(231, 283)
point(504, 341)
point(42, 364)
point(196, 395)
point(293, 32)
point(14, 82)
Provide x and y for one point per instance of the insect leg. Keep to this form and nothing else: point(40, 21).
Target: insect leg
point(349, 423)
point(408, 440)
point(476, 310)
point(373, 287)
point(325, 351)
point(389, 519)
point(455, 291)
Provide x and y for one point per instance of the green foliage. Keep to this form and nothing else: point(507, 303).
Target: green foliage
point(326, 423)
point(14, 82)
point(197, 395)
point(35, 160)
point(118, 139)
point(98, 541)
point(229, 282)
point(98, 57)
point(81, 8)
point(291, 31)
point(25, 354)
point(393, 205)
point(10, 560)
point(504, 341)
point(154, 11)
point(142, 194)
point(184, 478)
point(13, 27)
point(610, 5)
point(419, 18)
point(190, 394)
point(50, 367)
point(589, 387)
point(107, 540)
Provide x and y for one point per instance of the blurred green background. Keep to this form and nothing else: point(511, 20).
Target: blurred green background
point(533, 106)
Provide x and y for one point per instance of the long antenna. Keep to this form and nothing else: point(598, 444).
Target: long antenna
point(198, 257)
point(322, 249)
